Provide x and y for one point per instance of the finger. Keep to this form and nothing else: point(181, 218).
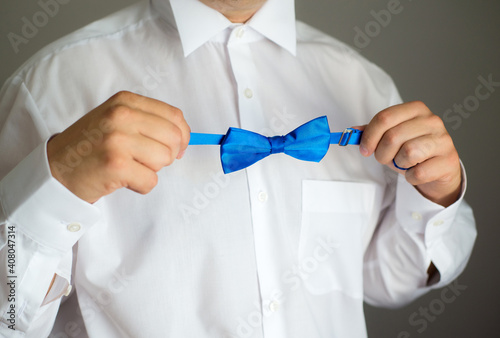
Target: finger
point(417, 150)
point(140, 102)
point(156, 107)
point(139, 178)
point(387, 119)
point(122, 171)
point(396, 138)
point(430, 170)
point(160, 130)
point(149, 152)
point(359, 127)
point(138, 122)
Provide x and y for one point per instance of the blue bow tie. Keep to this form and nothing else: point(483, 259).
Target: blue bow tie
point(310, 142)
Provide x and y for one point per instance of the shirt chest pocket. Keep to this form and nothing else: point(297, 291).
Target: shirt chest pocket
point(334, 216)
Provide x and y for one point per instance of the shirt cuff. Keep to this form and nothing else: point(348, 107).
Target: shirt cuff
point(41, 207)
point(420, 215)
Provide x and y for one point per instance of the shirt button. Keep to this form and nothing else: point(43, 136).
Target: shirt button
point(274, 306)
point(74, 227)
point(240, 31)
point(416, 216)
point(248, 93)
point(438, 223)
point(263, 196)
point(68, 290)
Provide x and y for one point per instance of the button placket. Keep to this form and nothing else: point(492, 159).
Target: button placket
point(252, 117)
point(245, 73)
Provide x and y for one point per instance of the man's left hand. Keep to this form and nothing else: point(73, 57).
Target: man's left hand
point(417, 139)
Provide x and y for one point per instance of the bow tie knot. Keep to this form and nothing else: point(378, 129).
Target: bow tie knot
point(277, 144)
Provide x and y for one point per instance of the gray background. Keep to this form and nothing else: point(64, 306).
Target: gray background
point(435, 51)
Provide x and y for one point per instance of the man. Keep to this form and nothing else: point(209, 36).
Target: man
point(284, 248)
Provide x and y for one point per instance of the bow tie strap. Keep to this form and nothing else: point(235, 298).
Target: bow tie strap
point(205, 139)
point(348, 136)
point(310, 142)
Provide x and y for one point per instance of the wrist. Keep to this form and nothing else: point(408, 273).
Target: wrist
point(442, 193)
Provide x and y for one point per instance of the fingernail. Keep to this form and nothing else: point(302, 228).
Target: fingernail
point(363, 151)
point(181, 154)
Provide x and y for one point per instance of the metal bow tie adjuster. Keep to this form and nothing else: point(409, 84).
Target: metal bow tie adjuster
point(241, 148)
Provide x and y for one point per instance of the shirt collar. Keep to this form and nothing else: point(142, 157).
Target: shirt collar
point(276, 21)
point(198, 23)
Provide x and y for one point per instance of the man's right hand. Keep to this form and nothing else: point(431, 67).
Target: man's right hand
point(122, 143)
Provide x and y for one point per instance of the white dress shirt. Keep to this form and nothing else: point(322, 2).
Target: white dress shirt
point(282, 249)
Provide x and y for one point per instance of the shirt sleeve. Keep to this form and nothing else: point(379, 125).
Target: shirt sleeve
point(413, 232)
point(40, 221)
